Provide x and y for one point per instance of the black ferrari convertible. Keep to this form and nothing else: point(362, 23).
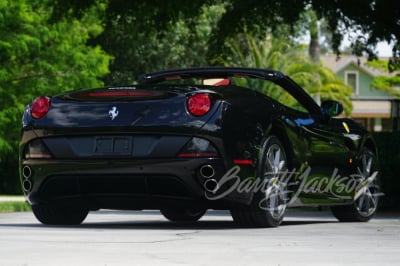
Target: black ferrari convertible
point(186, 140)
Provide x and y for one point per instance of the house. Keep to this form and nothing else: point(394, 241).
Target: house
point(375, 109)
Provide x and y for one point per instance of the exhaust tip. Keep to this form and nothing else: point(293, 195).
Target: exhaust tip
point(211, 185)
point(27, 185)
point(207, 171)
point(26, 172)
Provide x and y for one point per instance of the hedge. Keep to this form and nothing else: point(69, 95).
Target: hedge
point(388, 144)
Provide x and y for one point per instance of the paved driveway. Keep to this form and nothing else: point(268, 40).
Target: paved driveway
point(146, 238)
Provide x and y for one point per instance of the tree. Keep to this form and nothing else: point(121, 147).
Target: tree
point(313, 48)
point(375, 20)
point(385, 81)
point(42, 58)
point(143, 46)
point(372, 20)
point(390, 84)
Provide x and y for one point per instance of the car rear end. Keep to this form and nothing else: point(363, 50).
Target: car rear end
point(143, 147)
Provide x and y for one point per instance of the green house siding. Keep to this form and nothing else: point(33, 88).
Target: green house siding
point(365, 90)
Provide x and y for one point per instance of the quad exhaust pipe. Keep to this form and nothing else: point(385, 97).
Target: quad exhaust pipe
point(207, 172)
point(211, 185)
point(27, 174)
point(27, 185)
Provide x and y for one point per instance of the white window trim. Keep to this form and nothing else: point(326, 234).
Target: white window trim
point(357, 89)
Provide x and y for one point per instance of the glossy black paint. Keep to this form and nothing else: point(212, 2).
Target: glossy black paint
point(133, 161)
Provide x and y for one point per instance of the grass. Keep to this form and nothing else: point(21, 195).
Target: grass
point(14, 206)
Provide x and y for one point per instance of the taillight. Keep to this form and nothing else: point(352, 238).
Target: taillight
point(199, 104)
point(40, 107)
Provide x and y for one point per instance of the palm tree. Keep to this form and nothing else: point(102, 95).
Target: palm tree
point(282, 55)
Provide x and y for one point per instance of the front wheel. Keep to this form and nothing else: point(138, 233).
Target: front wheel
point(59, 214)
point(183, 215)
point(269, 203)
point(367, 192)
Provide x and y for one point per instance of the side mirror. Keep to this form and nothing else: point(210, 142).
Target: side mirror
point(331, 108)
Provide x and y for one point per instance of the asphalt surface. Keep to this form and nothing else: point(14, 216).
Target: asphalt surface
point(146, 238)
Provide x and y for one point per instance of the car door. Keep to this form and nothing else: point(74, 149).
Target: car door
point(330, 160)
point(328, 144)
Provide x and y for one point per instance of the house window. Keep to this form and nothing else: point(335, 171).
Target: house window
point(351, 79)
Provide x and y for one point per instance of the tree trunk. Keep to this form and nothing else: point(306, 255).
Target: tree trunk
point(313, 49)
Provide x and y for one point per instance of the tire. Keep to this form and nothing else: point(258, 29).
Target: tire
point(367, 194)
point(59, 214)
point(183, 215)
point(268, 206)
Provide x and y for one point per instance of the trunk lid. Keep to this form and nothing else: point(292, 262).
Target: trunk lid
point(142, 108)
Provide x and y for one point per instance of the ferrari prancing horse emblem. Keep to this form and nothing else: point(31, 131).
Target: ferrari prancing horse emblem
point(113, 112)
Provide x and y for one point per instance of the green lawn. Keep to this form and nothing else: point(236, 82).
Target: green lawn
point(14, 206)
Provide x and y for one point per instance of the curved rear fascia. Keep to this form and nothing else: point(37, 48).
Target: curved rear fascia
point(76, 114)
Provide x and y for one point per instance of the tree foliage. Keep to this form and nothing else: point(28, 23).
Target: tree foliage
point(385, 82)
point(380, 65)
point(371, 21)
point(142, 46)
point(38, 57)
point(390, 84)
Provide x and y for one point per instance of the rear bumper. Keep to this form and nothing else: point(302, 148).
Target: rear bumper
point(124, 184)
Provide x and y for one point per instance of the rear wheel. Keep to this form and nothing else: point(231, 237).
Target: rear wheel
point(268, 206)
point(183, 215)
point(59, 214)
point(367, 192)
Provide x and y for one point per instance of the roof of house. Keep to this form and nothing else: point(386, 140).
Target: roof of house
point(337, 64)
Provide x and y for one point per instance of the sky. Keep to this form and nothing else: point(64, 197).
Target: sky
point(384, 49)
